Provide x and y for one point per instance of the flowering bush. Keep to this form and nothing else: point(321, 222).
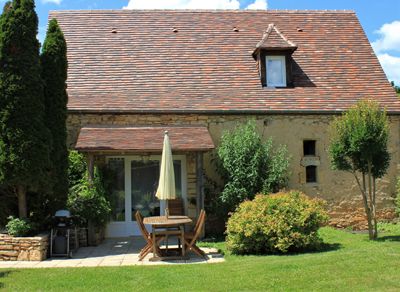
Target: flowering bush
point(279, 222)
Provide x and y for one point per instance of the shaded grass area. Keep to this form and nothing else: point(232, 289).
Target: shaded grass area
point(349, 262)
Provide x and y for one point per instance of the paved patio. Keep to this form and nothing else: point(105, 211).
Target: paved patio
point(112, 252)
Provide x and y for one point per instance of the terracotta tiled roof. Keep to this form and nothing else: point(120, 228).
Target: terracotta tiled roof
point(148, 139)
point(273, 39)
point(196, 61)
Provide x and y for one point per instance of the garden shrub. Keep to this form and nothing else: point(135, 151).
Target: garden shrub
point(249, 166)
point(87, 200)
point(279, 222)
point(18, 227)
point(397, 201)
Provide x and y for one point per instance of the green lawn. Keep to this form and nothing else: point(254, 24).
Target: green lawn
point(352, 263)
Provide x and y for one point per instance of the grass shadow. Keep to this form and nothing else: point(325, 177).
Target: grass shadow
point(323, 247)
point(389, 238)
point(3, 274)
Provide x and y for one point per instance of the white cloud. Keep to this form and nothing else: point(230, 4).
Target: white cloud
point(182, 4)
point(391, 66)
point(58, 2)
point(389, 37)
point(258, 4)
point(386, 46)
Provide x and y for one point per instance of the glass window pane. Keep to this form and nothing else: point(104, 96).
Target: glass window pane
point(145, 175)
point(116, 173)
point(178, 178)
point(274, 72)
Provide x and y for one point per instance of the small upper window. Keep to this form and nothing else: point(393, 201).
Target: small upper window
point(309, 147)
point(276, 71)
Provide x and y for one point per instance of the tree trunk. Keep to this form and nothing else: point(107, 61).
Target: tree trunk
point(374, 208)
point(370, 211)
point(22, 206)
point(369, 219)
point(366, 204)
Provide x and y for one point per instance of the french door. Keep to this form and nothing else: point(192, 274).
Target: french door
point(134, 182)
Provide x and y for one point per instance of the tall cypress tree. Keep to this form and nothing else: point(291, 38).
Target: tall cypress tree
point(24, 138)
point(54, 74)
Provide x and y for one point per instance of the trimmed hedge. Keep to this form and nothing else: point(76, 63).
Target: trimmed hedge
point(273, 223)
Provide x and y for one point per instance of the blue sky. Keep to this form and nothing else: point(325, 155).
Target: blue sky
point(380, 19)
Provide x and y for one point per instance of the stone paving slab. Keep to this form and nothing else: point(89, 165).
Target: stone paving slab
point(113, 252)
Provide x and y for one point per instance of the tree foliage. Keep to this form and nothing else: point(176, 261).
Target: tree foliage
point(396, 88)
point(54, 74)
point(88, 201)
point(77, 168)
point(249, 166)
point(359, 145)
point(24, 138)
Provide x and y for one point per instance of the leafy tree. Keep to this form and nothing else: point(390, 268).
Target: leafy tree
point(248, 166)
point(24, 138)
point(397, 88)
point(359, 146)
point(54, 74)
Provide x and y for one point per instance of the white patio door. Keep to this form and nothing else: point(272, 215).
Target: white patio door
point(140, 180)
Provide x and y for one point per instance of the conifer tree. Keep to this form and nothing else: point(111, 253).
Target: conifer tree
point(54, 74)
point(24, 138)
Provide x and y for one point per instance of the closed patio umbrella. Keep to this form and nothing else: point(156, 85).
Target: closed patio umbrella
point(166, 184)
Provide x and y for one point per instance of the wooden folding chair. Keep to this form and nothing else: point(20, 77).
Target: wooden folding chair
point(191, 237)
point(147, 236)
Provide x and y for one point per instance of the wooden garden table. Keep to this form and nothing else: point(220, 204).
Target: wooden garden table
point(173, 225)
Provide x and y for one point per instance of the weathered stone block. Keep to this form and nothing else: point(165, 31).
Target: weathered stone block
point(36, 255)
point(9, 253)
point(23, 255)
point(6, 246)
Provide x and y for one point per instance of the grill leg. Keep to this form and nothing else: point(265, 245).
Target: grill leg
point(51, 242)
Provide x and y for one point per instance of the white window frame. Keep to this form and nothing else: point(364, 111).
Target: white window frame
point(129, 227)
point(283, 62)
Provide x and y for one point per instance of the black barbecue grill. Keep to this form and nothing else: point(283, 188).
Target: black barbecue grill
point(61, 233)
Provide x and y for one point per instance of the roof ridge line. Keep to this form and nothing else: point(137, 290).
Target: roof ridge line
point(210, 10)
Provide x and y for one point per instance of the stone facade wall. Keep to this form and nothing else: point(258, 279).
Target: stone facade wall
point(337, 188)
point(23, 248)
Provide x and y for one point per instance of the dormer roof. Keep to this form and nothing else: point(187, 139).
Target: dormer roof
point(273, 39)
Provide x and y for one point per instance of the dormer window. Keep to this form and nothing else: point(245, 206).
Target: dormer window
point(275, 71)
point(274, 58)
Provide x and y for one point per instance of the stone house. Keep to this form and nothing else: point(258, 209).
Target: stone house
point(134, 74)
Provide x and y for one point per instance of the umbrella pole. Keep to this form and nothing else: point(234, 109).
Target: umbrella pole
point(166, 209)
